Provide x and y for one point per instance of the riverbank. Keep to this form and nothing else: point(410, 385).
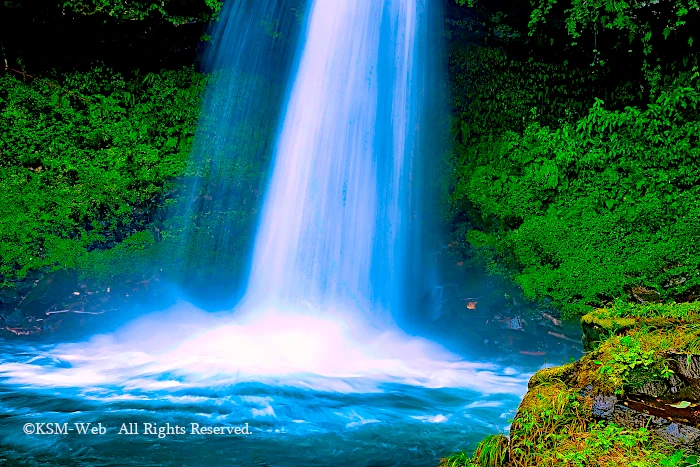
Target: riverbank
point(633, 399)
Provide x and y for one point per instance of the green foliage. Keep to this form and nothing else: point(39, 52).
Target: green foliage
point(593, 208)
point(130, 10)
point(680, 460)
point(494, 93)
point(669, 311)
point(492, 451)
point(457, 459)
point(656, 36)
point(639, 336)
point(632, 19)
point(634, 365)
point(217, 195)
point(555, 424)
point(85, 170)
point(585, 205)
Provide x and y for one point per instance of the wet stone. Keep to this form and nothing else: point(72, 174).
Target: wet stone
point(604, 406)
point(688, 366)
point(16, 318)
point(586, 390)
point(681, 436)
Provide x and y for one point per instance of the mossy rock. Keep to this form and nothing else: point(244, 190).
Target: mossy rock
point(561, 374)
point(598, 325)
point(624, 394)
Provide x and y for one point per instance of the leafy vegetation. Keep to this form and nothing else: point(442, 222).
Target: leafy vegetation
point(86, 169)
point(177, 12)
point(592, 209)
point(579, 203)
point(554, 428)
point(95, 157)
point(110, 179)
point(574, 174)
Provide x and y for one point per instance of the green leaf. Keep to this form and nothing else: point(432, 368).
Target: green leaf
point(681, 405)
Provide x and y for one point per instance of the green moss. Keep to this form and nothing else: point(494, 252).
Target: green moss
point(607, 322)
point(555, 425)
point(689, 311)
point(638, 339)
point(598, 325)
point(552, 374)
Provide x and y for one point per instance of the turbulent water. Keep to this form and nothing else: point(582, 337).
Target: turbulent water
point(311, 391)
point(311, 367)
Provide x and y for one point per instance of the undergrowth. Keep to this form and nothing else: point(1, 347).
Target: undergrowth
point(554, 428)
point(555, 425)
point(86, 162)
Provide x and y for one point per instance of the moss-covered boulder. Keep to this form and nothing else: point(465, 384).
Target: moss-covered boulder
point(633, 399)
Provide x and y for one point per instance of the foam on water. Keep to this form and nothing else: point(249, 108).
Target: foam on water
point(187, 348)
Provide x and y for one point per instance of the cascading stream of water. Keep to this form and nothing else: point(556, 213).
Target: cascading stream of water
point(247, 63)
point(344, 164)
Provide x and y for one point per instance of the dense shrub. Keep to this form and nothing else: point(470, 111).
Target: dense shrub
point(592, 209)
point(85, 165)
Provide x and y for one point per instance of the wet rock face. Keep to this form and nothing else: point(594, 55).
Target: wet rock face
point(682, 384)
point(685, 365)
point(674, 417)
point(679, 427)
point(15, 318)
point(686, 369)
point(673, 387)
point(60, 303)
point(669, 408)
point(604, 407)
point(679, 434)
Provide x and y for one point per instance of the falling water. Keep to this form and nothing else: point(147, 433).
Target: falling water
point(342, 196)
point(248, 61)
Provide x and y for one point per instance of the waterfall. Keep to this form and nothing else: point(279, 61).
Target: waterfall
point(248, 60)
point(339, 220)
point(317, 358)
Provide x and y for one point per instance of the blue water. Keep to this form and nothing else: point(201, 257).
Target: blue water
point(311, 390)
point(403, 425)
point(211, 221)
point(338, 206)
point(361, 420)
